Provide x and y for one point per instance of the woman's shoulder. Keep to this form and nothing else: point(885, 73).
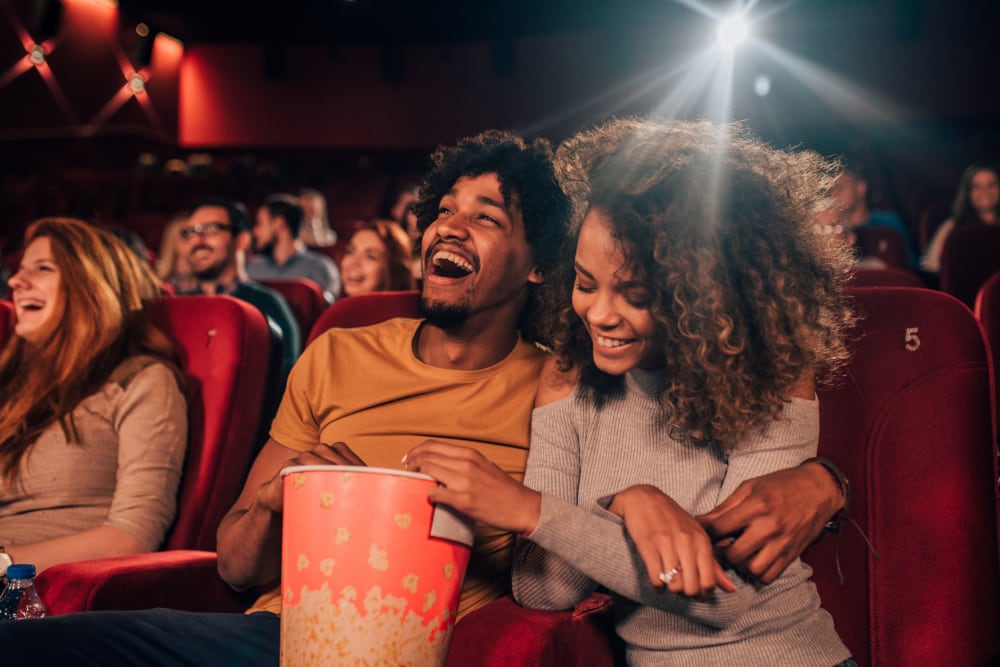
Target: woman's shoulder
point(554, 383)
point(146, 366)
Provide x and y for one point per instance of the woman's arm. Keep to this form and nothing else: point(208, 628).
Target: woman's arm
point(931, 261)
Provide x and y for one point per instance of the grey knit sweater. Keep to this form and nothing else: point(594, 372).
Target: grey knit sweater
point(581, 456)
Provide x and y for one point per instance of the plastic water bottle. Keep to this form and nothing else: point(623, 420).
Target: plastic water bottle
point(19, 599)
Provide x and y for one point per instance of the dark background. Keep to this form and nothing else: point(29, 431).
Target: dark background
point(357, 92)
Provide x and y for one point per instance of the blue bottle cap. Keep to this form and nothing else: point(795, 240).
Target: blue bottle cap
point(20, 571)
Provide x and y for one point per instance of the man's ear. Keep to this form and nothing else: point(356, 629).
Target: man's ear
point(536, 276)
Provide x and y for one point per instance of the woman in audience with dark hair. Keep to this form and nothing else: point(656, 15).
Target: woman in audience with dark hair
point(377, 259)
point(977, 202)
point(689, 327)
point(93, 423)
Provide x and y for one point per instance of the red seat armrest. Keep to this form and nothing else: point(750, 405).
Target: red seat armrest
point(176, 579)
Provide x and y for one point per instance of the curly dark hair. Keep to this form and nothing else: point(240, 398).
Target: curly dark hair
point(526, 174)
point(746, 292)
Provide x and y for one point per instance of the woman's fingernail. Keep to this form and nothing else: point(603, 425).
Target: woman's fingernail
point(403, 460)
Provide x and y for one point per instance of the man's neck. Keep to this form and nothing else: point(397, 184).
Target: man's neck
point(284, 249)
point(468, 347)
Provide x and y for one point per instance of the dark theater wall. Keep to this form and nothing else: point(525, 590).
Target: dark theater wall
point(81, 89)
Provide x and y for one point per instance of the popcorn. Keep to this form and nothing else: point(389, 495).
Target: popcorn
point(318, 632)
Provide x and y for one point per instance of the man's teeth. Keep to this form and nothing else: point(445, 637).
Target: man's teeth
point(445, 256)
point(612, 342)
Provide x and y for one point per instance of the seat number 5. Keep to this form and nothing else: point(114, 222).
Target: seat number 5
point(912, 339)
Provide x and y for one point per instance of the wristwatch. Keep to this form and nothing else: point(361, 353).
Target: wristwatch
point(5, 562)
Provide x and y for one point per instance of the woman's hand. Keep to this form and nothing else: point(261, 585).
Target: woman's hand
point(474, 486)
point(675, 548)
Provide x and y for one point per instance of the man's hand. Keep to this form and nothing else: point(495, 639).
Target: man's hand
point(670, 542)
point(770, 520)
point(474, 486)
point(271, 493)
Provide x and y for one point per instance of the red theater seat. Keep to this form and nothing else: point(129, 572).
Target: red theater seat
point(884, 243)
point(365, 309)
point(911, 424)
point(988, 314)
point(304, 297)
point(971, 254)
point(6, 322)
point(890, 276)
point(223, 344)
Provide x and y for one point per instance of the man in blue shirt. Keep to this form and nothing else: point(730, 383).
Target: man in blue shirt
point(278, 256)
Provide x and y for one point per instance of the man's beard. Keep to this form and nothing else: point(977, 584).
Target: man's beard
point(443, 315)
point(211, 272)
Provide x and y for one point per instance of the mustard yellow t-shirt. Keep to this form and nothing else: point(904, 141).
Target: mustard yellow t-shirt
point(366, 388)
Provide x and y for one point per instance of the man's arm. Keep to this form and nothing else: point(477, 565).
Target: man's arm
point(249, 537)
point(776, 516)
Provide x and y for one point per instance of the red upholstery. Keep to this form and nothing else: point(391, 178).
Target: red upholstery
point(6, 322)
point(890, 276)
point(884, 243)
point(305, 298)
point(912, 425)
point(365, 309)
point(223, 344)
point(176, 579)
point(503, 633)
point(988, 314)
point(971, 254)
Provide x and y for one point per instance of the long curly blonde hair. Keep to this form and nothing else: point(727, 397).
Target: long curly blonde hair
point(746, 291)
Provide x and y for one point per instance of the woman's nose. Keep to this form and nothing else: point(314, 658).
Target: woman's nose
point(602, 312)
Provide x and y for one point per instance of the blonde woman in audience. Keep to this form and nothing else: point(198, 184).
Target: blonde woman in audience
point(315, 231)
point(172, 266)
point(93, 423)
point(976, 202)
point(377, 259)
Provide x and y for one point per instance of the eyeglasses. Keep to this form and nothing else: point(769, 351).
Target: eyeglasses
point(207, 229)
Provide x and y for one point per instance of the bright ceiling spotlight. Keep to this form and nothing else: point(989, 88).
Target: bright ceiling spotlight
point(136, 83)
point(733, 31)
point(37, 54)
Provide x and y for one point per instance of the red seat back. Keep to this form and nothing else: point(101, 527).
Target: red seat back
point(6, 322)
point(883, 242)
point(224, 346)
point(890, 276)
point(912, 426)
point(304, 297)
point(971, 254)
point(365, 309)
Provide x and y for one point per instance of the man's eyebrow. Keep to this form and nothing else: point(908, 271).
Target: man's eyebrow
point(492, 202)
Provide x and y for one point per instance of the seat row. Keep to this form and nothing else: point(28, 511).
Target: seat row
point(911, 423)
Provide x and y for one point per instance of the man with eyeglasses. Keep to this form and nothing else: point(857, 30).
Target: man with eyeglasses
point(215, 240)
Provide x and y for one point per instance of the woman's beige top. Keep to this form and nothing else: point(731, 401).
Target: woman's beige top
point(124, 473)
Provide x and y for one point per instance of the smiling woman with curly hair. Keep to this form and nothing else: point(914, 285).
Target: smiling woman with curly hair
point(700, 304)
point(745, 294)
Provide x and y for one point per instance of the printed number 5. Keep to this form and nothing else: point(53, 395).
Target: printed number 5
point(912, 339)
